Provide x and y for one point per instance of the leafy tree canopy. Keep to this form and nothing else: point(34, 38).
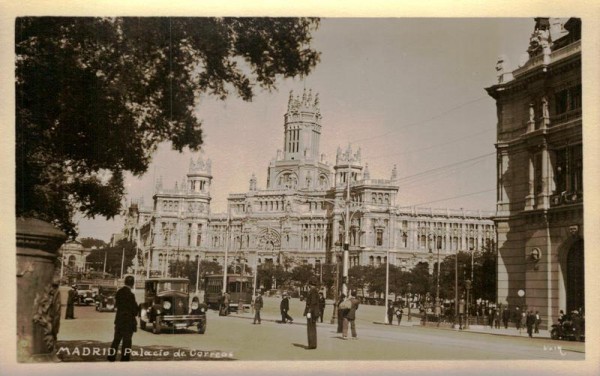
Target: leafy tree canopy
point(92, 242)
point(95, 97)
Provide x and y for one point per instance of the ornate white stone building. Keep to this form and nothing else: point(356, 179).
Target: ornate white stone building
point(540, 173)
point(299, 217)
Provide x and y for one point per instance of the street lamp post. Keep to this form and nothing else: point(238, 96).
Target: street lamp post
point(387, 285)
point(467, 287)
point(407, 301)
point(346, 255)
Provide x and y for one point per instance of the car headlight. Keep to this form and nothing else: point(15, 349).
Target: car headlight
point(167, 304)
point(194, 305)
point(158, 311)
point(202, 309)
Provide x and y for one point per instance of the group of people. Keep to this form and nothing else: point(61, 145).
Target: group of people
point(394, 309)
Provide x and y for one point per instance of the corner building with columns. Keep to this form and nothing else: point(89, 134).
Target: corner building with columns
point(539, 214)
point(299, 217)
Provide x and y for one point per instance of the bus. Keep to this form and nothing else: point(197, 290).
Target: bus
point(239, 289)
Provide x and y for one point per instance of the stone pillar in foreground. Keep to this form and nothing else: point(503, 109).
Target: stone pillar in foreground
point(38, 299)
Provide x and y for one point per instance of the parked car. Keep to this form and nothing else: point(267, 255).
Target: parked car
point(571, 329)
point(167, 306)
point(85, 294)
point(105, 300)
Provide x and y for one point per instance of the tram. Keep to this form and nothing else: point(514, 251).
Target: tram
point(239, 289)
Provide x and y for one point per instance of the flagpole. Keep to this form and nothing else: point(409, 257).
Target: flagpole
point(122, 262)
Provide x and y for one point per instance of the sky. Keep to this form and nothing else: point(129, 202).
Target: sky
point(409, 92)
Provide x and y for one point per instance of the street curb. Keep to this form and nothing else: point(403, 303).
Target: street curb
point(464, 330)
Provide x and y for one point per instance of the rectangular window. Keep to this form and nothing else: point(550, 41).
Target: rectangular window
point(567, 99)
point(568, 170)
point(379, 237)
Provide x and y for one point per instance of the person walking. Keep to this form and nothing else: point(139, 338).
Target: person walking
point(390, 312)
point(125, 321)
point(399, 313)
point(530, 321)
point(538, 321)
point(497, 318)
point(340, 316)
point(71, 299)
point(321, 306)
point(311, 311)
point(350, 317)
point(505, 316)
point(517, 319)
point(258, 304)
point(523, 320)
point(284, 307)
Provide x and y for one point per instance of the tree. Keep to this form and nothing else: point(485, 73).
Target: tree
point(189, 269)
point(122, 253)
point(361, 276)
point(95, 97)
point(92, 242)
point(302, 274)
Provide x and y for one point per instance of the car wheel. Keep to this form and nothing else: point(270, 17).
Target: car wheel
point(202, 327)
point(554, 334)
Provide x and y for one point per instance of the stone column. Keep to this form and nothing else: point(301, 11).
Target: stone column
point(38, 298)
point(530, 199)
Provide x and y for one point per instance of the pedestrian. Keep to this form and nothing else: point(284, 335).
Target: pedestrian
point(523, 320)
point(284, 307)
point(517, 319)
point(71, 298)
point(258, 304)
point(350, 317)
point(530, 321)
point(390, 312)
point(399, 313)
point(226, 302)
point(561, 316)
point(491, 317)
point(497, 318)
point(538, 321)
point(505, 317)
point(340, 317)
point(321, 306)
point(311, 311)
point(125, 321)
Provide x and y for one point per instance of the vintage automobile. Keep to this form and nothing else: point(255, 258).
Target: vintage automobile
point(105, 300)
point(85, 294)
point(167, 306)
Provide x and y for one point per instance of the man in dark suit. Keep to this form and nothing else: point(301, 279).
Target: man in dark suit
point(71, 299)
point(312, 312)
point(284, 307)
point(322, 304)
point(125, 321)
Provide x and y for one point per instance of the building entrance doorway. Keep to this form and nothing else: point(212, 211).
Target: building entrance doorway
point(575, 277)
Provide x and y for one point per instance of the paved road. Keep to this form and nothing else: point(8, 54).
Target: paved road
point(237, 335)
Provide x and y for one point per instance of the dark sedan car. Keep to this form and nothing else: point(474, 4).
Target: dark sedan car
point(167, 306)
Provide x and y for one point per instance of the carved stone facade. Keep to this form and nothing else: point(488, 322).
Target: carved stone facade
point(299, 218)
point(539, 175)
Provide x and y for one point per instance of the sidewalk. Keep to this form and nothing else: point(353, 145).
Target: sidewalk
point(416, 323)
point(511, 331)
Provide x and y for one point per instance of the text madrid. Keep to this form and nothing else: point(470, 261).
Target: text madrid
point(103, 351)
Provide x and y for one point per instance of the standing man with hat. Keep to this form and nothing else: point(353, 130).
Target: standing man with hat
point(125, 321)
point(312, 312)
point(71, 298)
point(258, 304)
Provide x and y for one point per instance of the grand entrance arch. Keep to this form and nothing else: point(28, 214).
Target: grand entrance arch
point(575, 281)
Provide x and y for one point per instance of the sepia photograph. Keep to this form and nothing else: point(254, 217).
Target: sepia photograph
point(351, 192)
